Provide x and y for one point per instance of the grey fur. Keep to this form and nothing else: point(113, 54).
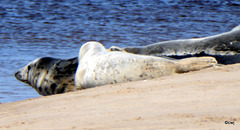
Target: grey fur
point(49, 75)
point(224, 47)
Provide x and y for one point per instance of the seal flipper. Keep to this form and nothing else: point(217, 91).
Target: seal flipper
point(195, 63)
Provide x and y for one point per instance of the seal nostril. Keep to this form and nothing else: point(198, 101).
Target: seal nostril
point(18, 75)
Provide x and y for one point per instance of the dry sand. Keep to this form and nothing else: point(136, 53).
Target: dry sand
point(206, 99)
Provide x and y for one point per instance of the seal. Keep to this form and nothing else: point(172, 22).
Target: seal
point(49, 75)
point(97, 66)
point(225, 47)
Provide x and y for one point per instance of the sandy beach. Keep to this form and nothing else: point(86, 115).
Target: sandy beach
point(206, 99)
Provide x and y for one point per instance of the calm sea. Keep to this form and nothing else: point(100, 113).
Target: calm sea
point(30, 29)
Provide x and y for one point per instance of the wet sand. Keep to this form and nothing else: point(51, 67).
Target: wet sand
point(204, 99)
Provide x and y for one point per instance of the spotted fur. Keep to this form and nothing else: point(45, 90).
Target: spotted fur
point(49, 75)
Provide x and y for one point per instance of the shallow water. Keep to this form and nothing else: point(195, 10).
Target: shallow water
point(31, 29)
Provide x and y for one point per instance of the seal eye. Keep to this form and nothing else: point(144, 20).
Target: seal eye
point(29, 67)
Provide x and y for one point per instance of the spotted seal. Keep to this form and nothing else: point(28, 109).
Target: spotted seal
point(49, 75)
point(100, 67)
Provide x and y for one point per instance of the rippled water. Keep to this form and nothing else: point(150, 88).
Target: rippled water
point(57, 28)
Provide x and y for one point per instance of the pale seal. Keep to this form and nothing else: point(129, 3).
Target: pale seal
point(49, 75)
point(97, 66)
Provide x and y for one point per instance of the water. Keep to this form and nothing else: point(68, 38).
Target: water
point(57, 28)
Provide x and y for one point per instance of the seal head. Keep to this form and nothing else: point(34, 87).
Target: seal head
point(49, 75)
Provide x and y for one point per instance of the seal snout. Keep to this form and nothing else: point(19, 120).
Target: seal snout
point(18, 75)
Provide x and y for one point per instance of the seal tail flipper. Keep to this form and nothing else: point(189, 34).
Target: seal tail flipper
point(195, 63)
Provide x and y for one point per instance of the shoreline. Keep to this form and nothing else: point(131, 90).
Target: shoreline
point(203, 99)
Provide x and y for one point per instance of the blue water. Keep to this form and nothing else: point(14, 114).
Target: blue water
point(57, 28)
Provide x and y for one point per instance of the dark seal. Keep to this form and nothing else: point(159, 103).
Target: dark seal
point(49, 75)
